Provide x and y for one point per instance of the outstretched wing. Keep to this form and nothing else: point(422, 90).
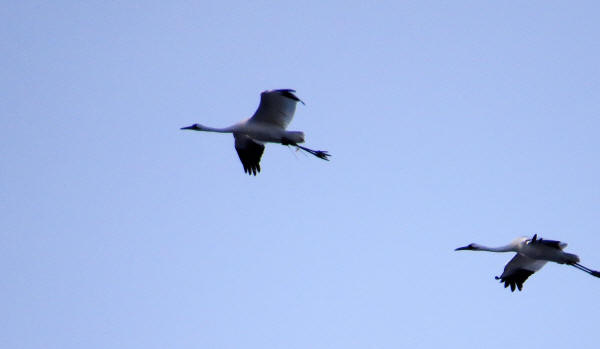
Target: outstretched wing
point(276, 107)
point(249, 152)
point(518, 270)
point(559, 245)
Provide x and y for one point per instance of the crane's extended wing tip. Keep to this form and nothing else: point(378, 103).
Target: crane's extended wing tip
point(285, 92)
point(290, 94)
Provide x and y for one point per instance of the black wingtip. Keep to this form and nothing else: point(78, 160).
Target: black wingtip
point(289, 93)
point(252, 171)
point(516, 279)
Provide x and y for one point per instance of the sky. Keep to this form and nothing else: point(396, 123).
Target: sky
point(448, 123)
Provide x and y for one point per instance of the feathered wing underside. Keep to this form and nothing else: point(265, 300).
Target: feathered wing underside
point(518, 269)
point(276, 107)
point(249, 152)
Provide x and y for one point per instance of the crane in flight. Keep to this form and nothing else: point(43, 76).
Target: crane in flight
point(267, 125)
point(532, 255)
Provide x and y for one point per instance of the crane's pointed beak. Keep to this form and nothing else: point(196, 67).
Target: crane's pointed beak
point(193, 127)
point(463, 248)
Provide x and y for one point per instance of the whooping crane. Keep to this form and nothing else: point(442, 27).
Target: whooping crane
point(531, 256)
point(267, 125)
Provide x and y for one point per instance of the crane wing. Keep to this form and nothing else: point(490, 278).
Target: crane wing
point(276, 108)
point(250, 152)
point(559, 245)
point(518, 269)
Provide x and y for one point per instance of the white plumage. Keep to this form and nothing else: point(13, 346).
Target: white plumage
point(532, 255)
point(267, 125)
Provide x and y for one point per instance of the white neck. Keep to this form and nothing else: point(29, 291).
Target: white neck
point(506, 248)
point(228, 129)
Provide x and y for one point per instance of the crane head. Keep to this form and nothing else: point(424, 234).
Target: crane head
point(195, 127)
point(469, 247)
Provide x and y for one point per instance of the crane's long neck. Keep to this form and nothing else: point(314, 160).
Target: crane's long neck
point(228, 129)
point(506, 248)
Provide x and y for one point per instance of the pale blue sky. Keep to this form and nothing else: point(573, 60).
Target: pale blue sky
point(449, 123)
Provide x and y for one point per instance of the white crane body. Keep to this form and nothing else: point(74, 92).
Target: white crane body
point(267, 125)
point(266, 133)
point(532, 255)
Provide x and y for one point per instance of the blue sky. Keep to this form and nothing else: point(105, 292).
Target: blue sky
point(448, 122)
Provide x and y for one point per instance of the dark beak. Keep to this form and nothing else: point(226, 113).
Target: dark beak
point(463, 248)
point(189, 127)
